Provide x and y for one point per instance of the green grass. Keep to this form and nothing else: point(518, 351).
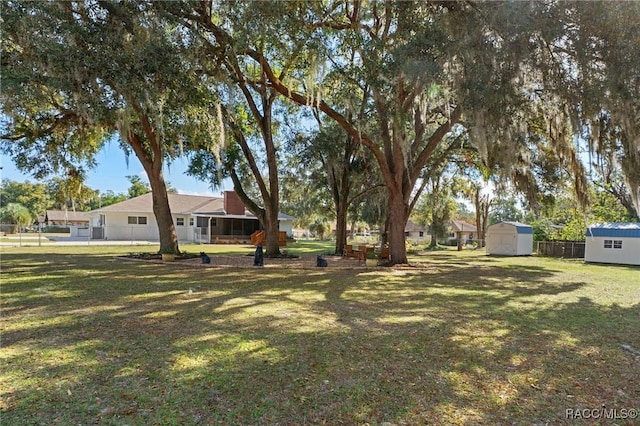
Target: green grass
point(461, 338)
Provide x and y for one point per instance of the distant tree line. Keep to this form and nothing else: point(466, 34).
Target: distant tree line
point(22, 203)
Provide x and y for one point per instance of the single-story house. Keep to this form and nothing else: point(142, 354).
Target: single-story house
point(462, 231)
point(416, 233)
point(613, 243)
point(77, 222)
point(196, 218)
point(66, 218)
point(510, 238)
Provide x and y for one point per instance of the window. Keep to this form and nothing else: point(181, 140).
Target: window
point(190, 221)
point(608, 243)
point(617, 244)
point(137, 220)
point(179, 221)
point(422, 233)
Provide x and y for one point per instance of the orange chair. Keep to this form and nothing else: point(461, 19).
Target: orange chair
point(384, 253)
point(348, 251)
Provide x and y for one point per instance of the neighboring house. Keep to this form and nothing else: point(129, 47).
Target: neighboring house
point(66, 218)
point(196, 219)
point(416, 233)
point(456, 231)
point(510, 239)
point(613, 243)
point(462, 231)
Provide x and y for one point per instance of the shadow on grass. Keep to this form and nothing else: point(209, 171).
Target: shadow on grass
point(106, 341)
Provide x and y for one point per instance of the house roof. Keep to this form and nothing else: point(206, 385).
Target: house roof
point(179, 203)
point(68, 216)
point(616, 229)
point(414, 227)
point(196, 205)
point(460, 226)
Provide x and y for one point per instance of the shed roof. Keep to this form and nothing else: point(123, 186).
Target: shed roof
point(521, 228)
point(614, 229)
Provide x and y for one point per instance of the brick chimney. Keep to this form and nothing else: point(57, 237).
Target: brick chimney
point(232, 203)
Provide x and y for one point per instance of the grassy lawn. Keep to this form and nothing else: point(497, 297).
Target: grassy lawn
point(462, 338)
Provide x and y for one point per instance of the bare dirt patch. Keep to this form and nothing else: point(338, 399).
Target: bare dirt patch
point(246, 261)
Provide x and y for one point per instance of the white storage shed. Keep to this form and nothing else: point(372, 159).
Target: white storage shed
point(510, 239)
point(613, 243)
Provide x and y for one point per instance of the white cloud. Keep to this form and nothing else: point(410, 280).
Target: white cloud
point(201, 193)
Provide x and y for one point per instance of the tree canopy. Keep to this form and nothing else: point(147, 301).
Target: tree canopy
point(520, 87)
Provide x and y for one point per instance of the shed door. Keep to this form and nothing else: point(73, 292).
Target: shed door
point(508, 244)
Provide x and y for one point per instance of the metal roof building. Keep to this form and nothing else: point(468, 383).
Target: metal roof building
point(613, 243)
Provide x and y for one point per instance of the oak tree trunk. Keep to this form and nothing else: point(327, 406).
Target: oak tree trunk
point(162, 213)
point(341, 225)
point(398, 216)
point(272, 232)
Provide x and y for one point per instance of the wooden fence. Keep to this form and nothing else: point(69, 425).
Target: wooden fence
point(564, 249)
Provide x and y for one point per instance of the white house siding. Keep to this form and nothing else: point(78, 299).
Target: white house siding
point(286, 226)
point(622, 247)
point(184, 232)
point(415, 237)
point(118, 228)
point(416, 233)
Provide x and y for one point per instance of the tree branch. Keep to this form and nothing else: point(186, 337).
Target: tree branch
point(433, 142)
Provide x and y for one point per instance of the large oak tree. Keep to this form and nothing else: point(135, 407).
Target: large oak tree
point(223, 33)
point(76, 74)
point(421, 68)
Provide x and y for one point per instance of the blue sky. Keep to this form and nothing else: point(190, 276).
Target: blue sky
point(112, 169)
